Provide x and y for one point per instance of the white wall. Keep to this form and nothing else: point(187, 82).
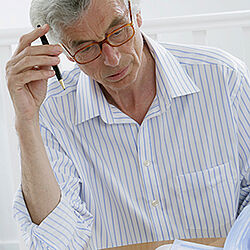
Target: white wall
point(168, 8)
point(15, 14)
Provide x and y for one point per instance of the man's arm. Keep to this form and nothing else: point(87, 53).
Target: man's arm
point(69, 224)
point(243, 140)
point(40, 188)
point(48, 206)
point(239, 94)
point(27, 73)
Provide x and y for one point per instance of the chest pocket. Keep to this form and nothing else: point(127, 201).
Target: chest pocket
point(207, 198)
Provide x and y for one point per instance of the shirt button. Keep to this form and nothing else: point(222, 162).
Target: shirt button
point(155, 203)
point(146, 163)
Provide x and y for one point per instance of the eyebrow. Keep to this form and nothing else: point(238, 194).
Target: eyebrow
point(116, 21)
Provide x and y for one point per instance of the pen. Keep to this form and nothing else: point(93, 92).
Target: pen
point(55, 68)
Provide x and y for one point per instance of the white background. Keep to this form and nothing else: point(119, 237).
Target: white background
point(15, 14)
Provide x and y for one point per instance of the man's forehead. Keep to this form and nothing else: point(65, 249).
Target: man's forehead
point(102, 7)
point(108, 14)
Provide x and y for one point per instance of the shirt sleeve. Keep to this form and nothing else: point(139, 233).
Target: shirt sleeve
point(238, 237)
point(243, 128)
point(240, 90)
point(68, 226)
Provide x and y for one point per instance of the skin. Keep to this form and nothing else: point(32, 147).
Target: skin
point(126, 92)
point(27, 87)
point(29, 69)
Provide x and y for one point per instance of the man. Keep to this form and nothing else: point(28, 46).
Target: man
point(145, 144)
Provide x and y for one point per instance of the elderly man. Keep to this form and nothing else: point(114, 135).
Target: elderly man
point(146, 143)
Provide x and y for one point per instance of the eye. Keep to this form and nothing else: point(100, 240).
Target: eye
point(87, 49)
point(118, 32)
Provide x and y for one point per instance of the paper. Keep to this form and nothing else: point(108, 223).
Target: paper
point(164, 247)
point(185, 245)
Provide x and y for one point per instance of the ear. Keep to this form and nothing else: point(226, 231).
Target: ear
point(139, 19)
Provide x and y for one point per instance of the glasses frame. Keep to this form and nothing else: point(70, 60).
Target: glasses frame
point(105, 40)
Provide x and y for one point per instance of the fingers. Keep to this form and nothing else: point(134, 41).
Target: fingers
point(45, 67)
point(42, 55)
point(27, 57)
point(30, 76)
point(28, 70)
point(28, 38)
point(51, 50)
point(29, 62)
point(17, 69)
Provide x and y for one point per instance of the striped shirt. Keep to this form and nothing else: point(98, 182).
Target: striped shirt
point(182, 173)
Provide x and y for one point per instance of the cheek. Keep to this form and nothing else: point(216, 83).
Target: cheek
point(92, 69)
point(138, 47)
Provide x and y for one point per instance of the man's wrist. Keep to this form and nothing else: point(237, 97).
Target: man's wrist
point(27, 128)
point(27, 125)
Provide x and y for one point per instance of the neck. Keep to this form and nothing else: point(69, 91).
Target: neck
point(136, 99)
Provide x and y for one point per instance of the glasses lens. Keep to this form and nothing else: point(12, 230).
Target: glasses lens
point(120, 36)
point(88, 53)
point(116, 38)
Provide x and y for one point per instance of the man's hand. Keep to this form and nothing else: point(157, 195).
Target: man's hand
point(27, 73)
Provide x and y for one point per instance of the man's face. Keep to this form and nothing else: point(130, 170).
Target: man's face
point(117, 67)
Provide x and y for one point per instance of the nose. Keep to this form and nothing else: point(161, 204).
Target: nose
point(111, 55)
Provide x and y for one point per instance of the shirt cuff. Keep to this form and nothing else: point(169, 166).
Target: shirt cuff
point(62, 226)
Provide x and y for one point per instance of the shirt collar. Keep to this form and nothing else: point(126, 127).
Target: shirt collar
point(171, 79)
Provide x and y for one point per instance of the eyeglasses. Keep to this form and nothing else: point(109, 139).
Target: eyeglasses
point(115, 38)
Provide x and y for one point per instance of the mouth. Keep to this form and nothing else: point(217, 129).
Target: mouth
point(119, 75)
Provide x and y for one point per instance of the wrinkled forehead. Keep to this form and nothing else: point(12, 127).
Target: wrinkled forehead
point(103, 11)
point(95, 21)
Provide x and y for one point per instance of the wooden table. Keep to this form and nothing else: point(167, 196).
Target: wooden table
point(216, 242)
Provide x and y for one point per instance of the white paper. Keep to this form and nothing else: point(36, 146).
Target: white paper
point(164, 247)
point(185, 245)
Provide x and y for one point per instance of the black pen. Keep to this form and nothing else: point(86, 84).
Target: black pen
point(44, 40)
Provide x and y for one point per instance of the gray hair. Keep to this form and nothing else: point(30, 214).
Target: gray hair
point(61, 13)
